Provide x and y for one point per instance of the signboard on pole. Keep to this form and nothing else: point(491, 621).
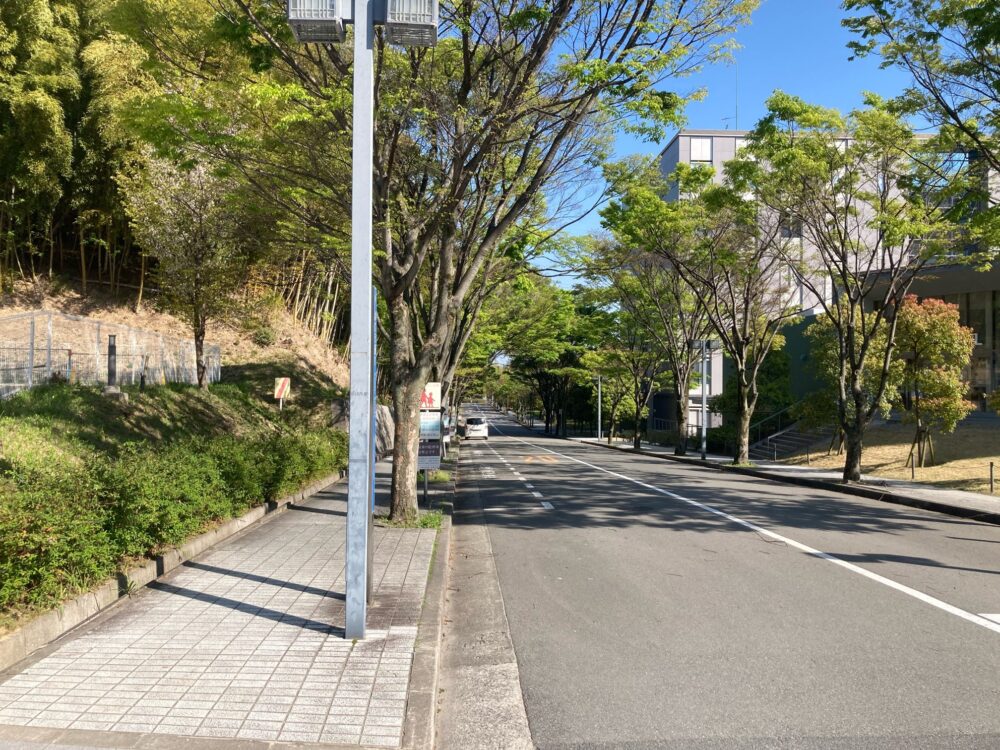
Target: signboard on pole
point(282, 386)
point(431, 396)
point(429, 452)
point(429, 455)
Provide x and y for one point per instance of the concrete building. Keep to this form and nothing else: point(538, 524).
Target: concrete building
point(976, 293)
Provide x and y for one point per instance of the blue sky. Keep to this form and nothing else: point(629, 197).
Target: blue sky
point(797, 46)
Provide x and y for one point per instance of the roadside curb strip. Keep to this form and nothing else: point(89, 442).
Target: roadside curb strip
point(421, 697)
point(868, 492)
point(46, 628)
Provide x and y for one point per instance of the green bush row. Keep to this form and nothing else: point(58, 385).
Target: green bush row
point(64, 528)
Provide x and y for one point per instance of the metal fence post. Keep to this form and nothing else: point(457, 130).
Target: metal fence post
point(112, 361)
point(31, 352)
point(97, 355)
point(48, 349)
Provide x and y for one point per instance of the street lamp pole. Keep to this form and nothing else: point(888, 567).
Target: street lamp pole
point(360, 469)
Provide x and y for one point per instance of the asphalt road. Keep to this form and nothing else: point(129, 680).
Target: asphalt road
point(654, 604)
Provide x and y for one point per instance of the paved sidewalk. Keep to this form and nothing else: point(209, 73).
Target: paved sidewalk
point(967, 503)
point(246, 642)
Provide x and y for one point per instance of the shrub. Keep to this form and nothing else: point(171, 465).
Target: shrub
point(52, 537)
point(159, 498)
point(66, 523)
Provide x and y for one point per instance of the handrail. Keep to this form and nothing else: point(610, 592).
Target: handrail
point(777, 415)
point(769, 417)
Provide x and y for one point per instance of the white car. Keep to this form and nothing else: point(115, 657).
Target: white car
point(476, 427)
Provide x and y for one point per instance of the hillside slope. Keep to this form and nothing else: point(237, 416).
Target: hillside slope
point(259, 333)
point(89, 482)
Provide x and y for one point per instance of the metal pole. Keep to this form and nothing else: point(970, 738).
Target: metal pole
point(48, 350)
point(31, 352)
point(704, 399)
point(112, 361)
point(359, 462)
point(599, 408)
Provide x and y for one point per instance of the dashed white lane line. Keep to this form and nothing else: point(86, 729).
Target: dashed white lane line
point(529, 485)
point(547, 505)
point(537, 494)
point(981, 620)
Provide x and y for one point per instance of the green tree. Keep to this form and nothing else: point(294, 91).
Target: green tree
point(204, 237)
point(876, 394)
point(935, 348)
point(949, 48)
point(480, 146)
point(871, 205)
point(715, 239)
point(614, 376)
point(648, 286)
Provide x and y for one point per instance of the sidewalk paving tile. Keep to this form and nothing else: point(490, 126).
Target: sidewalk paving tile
point(245, 642)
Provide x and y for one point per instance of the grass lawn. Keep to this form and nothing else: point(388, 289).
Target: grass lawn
point(963, 457)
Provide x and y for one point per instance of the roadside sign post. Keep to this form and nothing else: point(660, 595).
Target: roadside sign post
point(431, 432)
point(282, 387)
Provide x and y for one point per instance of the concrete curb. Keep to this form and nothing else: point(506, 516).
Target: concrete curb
point(46, 628)
point(421, 698)
point(868, 492)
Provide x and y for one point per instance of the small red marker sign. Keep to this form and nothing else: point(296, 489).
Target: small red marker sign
point(281, 387)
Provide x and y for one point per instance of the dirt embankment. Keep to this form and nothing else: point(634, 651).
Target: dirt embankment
point(239, 337)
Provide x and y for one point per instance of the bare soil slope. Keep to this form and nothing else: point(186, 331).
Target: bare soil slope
point(290, 342)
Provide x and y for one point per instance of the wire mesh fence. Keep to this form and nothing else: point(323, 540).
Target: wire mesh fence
point(40, 346)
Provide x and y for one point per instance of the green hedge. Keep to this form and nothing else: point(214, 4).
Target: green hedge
point(64, 528)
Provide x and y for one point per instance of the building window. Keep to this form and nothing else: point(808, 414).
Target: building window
point(701, 150)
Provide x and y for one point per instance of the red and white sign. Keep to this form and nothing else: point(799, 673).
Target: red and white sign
point(431, 397)
point(281, 387)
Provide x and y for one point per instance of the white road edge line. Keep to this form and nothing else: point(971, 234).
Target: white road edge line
point(994, 618)
point(547, 505)
point(975, 619)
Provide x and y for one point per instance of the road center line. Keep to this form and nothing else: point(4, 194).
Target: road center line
point(980, 620)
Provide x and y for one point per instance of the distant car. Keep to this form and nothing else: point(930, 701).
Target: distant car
point(476, 427)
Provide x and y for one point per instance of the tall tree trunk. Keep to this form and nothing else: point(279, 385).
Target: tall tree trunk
point(408, 380)
point(199, 349)
point(406, 439)
point(745, 403)
point(681, 408)
point(83, 261)
point(853, 439)
point(142, 280)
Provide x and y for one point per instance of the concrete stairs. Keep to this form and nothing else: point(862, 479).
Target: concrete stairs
point(784, 444)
